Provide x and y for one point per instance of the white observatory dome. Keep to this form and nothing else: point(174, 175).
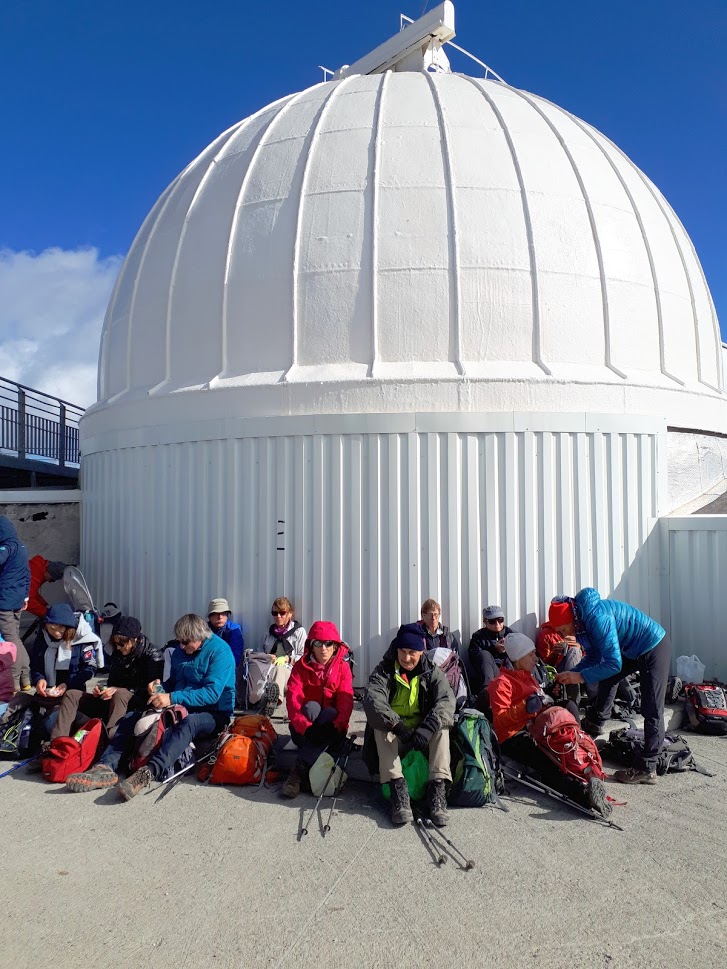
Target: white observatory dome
point(407, 241)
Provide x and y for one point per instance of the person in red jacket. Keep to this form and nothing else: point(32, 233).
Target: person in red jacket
point(319, 700)
point(516, 699)
point(42, 571)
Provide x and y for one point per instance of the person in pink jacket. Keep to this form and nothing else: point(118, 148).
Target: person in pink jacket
point(8, 652)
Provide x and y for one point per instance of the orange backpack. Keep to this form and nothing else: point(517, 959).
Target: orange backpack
point(242, 752)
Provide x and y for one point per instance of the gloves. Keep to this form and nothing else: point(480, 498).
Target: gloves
point(403, 732)
point(420, 740)
point(534, 703)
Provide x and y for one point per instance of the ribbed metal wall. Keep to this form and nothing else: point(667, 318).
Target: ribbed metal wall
point(697, 601)
point(361, 528)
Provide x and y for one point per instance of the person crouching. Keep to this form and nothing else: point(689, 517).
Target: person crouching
point(410, 705)
point(319, 700)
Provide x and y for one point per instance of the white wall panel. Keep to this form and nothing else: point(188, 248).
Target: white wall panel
point(360, 528)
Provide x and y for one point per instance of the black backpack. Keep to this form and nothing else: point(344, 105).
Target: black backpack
point(22, 734)
point(626, 743)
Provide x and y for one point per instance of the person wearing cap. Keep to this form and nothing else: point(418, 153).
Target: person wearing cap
point(487, 647)
point(202, 680)
point(516, 698)
point(134, 663)
point(409, 705)
point(284, 643)
point(219, 617)
point(42, 571)
point(618, 640)
point(435, 633)
point(319, 700)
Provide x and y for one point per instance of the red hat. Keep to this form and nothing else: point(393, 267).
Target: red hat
point(324, 631)
point(560, 612)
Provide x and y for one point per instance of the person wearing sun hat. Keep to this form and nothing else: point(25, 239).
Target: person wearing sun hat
point(219, 617)
point(618, 640)
point(319, 700)
point(409, 705)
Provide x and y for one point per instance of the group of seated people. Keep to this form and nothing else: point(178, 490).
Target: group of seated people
point(408, 702)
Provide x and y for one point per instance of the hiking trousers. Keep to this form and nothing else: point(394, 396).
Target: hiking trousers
point(388, 747)
point(10, 631)
point(77, 702)
point(180, 737)
point(653, 667)
point(319, 717)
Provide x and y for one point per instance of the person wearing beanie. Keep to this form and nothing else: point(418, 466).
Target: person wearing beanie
point(517, 699)
point(487, 647)
point(618, 640)
point(319, 700)
point(219, 617)
point(134, 663)
point(41, 572)
point(284, 643)
point(409, 705)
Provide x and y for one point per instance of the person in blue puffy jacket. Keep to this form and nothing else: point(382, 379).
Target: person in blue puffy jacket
point(618, 640)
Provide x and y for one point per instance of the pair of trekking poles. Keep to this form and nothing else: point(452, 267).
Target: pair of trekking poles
point(340, 761)
point(435, 840)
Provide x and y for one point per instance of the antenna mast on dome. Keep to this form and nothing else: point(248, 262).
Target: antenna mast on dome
point(417, 47)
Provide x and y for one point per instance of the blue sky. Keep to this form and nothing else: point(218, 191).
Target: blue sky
point(105, 103)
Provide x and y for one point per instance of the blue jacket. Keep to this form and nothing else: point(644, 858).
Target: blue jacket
point(232, 635)
point(14, 570)
point(608, 630)
point(205, 681)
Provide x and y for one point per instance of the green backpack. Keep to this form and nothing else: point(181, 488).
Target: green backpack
point(476, 772)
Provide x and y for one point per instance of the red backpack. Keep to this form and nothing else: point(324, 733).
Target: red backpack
point(67, 756)
point(558, 734)
point(707, 707)
point(149, 732)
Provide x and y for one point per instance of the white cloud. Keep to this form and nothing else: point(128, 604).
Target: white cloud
point(52, 306)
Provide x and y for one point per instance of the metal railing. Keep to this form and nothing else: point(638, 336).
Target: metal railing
point(37, 426)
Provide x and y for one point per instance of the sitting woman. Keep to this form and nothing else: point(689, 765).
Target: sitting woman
point(284, 643)
point(516, 699)
point(319, 700)
point(65, 655)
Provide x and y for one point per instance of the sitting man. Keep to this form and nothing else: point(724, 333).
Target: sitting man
point(516, 699)
point(409, 704)
point(134, 663)
point(202, 679)
point(219, 617)
point(436, 634)
point(487, 647)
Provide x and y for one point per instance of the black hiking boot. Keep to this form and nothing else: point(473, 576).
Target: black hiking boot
point(437, 803)
point(400, 804)
point(591, 728)
point(597, 797)
point(271, 698)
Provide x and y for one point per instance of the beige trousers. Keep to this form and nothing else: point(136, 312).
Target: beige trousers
point(387, 745)
point(281, 675)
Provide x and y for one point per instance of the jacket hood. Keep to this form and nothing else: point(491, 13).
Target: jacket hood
point(62, 615)
point(338, 657)
point(7, 530)
point(324, 631)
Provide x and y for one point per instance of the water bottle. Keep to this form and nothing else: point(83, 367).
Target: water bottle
point(24, 738)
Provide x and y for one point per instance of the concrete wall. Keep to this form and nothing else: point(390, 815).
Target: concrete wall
point(48, 523)
point(697, 462)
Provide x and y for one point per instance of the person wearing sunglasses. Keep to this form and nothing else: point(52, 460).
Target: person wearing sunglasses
point(284, 643)
point(618, 640)
point(219, 617)
point(487, 648)
point(319, 700)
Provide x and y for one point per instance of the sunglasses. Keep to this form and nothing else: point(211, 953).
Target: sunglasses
point(323, 644)
point(491, 621)
point(278, 612)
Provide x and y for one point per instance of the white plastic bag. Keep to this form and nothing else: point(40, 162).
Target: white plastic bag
point(690, 669)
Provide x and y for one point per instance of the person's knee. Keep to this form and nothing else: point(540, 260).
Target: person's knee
point(311, 710)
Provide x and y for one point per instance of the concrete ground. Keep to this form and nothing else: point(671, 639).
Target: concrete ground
point(217, 877)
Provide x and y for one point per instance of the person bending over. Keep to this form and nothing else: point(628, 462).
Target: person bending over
point(202, 679)
point(409, 704)
point(319, 700)
point(618, 640)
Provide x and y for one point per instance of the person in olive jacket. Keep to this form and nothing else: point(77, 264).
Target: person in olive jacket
point(134, 663)
point(409, 705)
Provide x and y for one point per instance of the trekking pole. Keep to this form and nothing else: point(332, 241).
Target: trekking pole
point(348, 748)
point(304, 830)
point(468, 863)
point(174, 777)
point(556, 795)
point(21, 763)
point(434, 848)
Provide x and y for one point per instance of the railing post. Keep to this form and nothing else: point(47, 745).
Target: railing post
point(62, 438)
point(21, 423)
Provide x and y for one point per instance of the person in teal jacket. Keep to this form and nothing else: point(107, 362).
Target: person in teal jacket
point(618, 640)
point(201, 679)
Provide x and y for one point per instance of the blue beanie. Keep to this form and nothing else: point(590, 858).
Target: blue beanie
point(411, 636)
point(61, 614)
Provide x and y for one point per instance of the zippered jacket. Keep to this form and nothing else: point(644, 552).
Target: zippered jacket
point(330, 686)
point(14, 570)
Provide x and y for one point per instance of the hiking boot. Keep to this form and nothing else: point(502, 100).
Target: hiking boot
point(291, 787)
point(632, 775)
point(400, 804)
point(135, 784)
point(597, 797)
point(95, 779)
point(437, 803)
point(271, 698)
point(591, 728)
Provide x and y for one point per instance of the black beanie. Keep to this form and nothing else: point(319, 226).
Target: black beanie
point(128, 628)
